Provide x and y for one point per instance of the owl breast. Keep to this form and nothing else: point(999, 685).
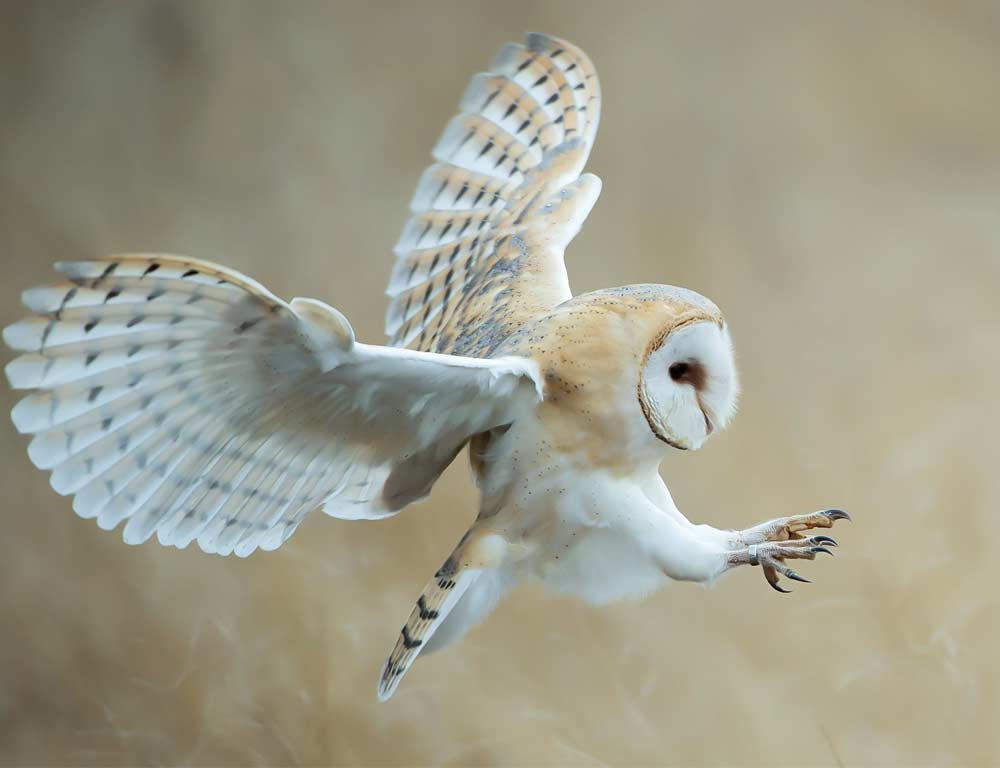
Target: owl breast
point(570, 521)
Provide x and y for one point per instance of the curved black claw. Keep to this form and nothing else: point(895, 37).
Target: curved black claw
point(836, 514)
point(778, 588)
point(817, 550)
point(823, 540)
point(793, 575)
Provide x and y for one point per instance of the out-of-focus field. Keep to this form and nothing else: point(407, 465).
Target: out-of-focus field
point(828, 173)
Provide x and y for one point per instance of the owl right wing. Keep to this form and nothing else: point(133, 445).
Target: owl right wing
point(483, 251)
point(190, 401)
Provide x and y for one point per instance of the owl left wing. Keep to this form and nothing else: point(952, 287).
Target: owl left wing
point(190, 401)
point(483, 251)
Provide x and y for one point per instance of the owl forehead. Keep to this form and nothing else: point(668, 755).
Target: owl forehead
point(651, 294)
point(656, 304)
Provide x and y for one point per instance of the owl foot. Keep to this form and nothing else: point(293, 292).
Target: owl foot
point(770, 544)
point(771, 557)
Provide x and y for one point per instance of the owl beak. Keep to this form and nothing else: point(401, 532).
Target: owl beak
point(709, 426)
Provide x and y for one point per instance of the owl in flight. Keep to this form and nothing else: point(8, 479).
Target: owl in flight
point(189, 401)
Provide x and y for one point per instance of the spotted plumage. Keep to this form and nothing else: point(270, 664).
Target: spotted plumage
point(185, 400)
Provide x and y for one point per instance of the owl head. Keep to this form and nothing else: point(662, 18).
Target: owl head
point(646, 367)
point(688, 385)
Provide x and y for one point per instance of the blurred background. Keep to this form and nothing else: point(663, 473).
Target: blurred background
point(828, 173)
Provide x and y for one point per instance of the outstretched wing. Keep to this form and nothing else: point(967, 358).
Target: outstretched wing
point(483, 252)
point(188, 400)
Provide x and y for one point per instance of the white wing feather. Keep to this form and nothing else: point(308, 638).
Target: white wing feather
point(188, 400)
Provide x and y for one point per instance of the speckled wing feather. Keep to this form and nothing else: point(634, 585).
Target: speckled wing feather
point(189, 401)
point(483, 252)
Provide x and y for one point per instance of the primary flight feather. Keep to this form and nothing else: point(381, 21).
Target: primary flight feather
point(189, 402)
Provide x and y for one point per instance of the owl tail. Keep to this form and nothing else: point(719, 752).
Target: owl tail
point(478, 551)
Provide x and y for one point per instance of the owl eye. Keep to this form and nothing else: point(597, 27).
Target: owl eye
point(678, 371)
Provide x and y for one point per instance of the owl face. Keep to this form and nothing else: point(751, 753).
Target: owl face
point(688, 384)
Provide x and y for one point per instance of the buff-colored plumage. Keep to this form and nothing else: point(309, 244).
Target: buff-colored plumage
point(187, 401)
point(483, 252)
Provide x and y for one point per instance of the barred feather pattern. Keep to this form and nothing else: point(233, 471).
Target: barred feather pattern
point(436, 601)
point(482, 252)
point(189, 401)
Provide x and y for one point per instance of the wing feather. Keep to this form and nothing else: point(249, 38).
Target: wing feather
point(483, 252)
point(189, 401)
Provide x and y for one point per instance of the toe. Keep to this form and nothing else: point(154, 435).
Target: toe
point(789, 573)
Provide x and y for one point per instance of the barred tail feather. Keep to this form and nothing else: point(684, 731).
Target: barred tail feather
point(437, 600)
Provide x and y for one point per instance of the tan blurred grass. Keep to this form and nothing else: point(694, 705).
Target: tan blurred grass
point(828, 173)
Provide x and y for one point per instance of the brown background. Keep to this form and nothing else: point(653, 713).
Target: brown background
point(829, 173)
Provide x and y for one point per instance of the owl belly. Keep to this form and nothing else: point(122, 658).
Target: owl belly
point(578, 545)
point(600, 566)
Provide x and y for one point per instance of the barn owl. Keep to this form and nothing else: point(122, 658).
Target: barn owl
point(188, 401)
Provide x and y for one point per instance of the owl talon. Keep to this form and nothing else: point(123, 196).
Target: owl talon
point(771, 556)
point(796, 577)
point(778, 588)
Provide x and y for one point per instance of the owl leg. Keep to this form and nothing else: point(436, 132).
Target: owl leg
point(702, 553)
point(770, 544)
